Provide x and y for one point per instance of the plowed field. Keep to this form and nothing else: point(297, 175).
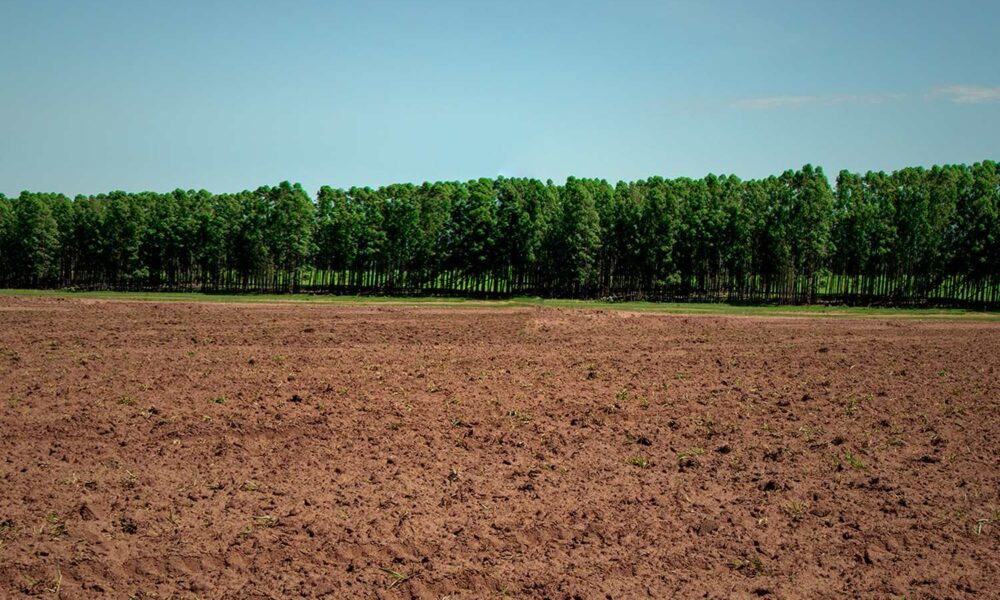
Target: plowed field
point(194, 450)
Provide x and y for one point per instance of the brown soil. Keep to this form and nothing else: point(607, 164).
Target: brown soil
point(160, 450)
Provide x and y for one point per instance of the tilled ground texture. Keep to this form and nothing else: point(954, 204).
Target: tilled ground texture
point(185, 450)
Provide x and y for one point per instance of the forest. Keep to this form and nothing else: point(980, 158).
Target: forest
point(916, 236)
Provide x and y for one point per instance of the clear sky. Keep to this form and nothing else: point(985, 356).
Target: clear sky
point(156, 95)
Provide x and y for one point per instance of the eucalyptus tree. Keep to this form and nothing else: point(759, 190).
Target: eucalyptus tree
point(809, 225)
point(850, 230)
point(401, 224)
point(525, 212)
point(429, 248)
point(61, 208)
point(159, 245)
point(288, 223)
point(975, 237)
point(474, 236)
point(206, 235)
point(7, 230)
point(336, 234)
point(657, 233)
point(573, 240)
point(371, 239)
point(34, 247)
point(620, 244)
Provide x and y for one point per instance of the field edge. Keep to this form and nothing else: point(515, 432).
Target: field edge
point(677, 308)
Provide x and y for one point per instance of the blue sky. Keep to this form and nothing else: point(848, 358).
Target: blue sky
point(139, 95)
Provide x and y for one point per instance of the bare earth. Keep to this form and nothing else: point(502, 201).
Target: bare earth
point(168, 450)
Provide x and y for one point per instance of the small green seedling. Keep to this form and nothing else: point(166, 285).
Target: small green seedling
point(397, 578)
point(853, 461)
point(639, 461)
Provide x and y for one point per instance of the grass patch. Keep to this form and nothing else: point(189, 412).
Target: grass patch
point(751, 566)
point(639, 461)
point(851, 460)
point(56, 525)
point(690, 453)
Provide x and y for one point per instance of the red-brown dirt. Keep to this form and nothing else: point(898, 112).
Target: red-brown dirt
point(186, 450)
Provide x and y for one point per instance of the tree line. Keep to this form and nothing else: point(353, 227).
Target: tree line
point(913, 236)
